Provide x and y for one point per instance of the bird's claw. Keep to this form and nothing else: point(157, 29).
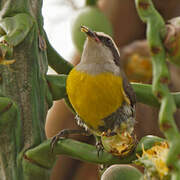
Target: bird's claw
point(61, 135)
point(99, 147)
point(65, 133)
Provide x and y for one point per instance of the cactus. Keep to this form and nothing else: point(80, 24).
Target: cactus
point(24, 92)
point(27, 92)
point(156, 32)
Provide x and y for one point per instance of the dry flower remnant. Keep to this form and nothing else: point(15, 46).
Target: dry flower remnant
point(153, 161)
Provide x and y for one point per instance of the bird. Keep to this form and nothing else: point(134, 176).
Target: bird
point(100, 92)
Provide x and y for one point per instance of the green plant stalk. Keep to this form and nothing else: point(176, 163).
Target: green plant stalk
point(16, 28)
point(56, 61)
point(144, 95)
point(147, 142)
point(24, 83)
point(8, 114)
point(57, 86)
point(44, 157)
point(86, 152)
point(35, 171)
point(155, 32)
point(8, 119)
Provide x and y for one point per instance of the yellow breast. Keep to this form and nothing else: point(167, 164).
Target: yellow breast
point(94, 97)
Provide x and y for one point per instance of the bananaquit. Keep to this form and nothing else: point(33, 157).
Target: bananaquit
point(101, 94)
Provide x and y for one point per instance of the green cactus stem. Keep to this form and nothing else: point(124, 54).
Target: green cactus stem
point(43, 155)
point(24, 83)
point(16, 28)
point(57, 86)
point(8, 113)
point(155, 33)
point(34, 171)
point(144, 95)
point(56, 61)
point(13, 31)
point(147, 142)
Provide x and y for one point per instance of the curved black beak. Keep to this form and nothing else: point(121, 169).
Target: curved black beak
point(91, 34)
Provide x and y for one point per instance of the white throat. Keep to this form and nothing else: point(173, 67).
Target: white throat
point(97, 58)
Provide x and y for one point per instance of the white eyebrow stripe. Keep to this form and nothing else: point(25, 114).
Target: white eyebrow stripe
point(114, 49)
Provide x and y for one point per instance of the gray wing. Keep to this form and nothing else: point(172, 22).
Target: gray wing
point(128, 89)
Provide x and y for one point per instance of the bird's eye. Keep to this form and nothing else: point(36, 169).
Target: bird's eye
point(109, 42)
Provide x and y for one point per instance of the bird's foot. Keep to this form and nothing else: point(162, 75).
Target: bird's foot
point(99, 147)
point(65, 133)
